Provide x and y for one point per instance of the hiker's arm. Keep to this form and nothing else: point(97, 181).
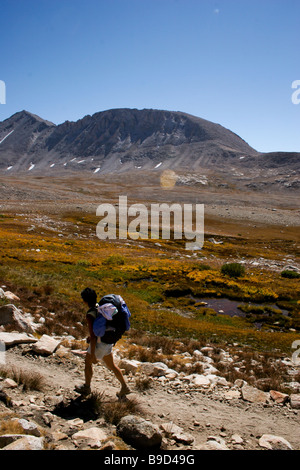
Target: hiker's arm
point(92, 337)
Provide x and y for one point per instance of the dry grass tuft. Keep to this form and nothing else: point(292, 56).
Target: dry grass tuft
point(28, 379)
point(115, 411)
point(143, 354)
point(260, 370)
point(112, 411)
point(11, 426)
point(143, 383)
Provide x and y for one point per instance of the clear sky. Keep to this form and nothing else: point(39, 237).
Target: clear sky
point(229, 61)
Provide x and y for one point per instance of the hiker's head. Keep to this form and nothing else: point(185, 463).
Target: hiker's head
point(89, 296)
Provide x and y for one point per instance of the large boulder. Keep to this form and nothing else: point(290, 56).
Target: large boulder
point(139, 433)
point(13, 317)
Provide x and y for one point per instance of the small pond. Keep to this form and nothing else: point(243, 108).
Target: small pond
point(229, 307)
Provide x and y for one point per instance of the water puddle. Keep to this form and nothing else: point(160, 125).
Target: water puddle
point(229, 307)
point(223, 306)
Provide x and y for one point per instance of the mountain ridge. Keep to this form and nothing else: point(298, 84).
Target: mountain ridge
point(123, 139)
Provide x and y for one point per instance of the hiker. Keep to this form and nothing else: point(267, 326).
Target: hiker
point(97, 350)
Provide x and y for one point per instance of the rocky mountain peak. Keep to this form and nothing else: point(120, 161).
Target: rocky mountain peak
point(124, 139)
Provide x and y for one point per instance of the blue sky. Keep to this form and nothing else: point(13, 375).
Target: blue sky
point(229, 61)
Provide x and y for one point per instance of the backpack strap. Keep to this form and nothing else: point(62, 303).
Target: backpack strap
point(92, 312)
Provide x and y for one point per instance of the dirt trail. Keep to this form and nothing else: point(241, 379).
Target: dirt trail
point(199, 413)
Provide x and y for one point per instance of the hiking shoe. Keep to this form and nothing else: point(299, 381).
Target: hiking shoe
point(123, 392)
point(83, 389)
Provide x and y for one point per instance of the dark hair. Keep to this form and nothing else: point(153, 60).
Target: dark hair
point(89, 296)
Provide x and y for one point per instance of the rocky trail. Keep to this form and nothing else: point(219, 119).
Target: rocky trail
point(188, 411)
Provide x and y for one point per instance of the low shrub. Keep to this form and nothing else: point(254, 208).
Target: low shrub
point(114, 260)
point(290, 274)
point(233, 269)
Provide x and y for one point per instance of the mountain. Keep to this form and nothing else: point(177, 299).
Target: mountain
point(124, 139)
point(117, 139)
point(21, 137)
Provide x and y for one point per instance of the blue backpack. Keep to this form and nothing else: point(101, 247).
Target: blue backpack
point(112, 319)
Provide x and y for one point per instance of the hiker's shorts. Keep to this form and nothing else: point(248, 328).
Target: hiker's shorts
point(102, 349)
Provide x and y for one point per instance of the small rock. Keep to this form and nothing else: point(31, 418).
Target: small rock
point(295, 400)
point(12, 316)
point(209, 369)
point(156, 369)
point(231, 394)
point(198, 354)
point(129, 365)
point(239, 383)
point(215, 242)
point(26, 443)
point(61, 447)
point(28, 427)
point(46, 345)
point(254, 395)
point(18, 403)
point(175, 432)
point(5, 398)
point(91, 437)
point(291, 268)
point(271, 442)
point(237, 439)
point(6, 439)
point(11, 339)
point(138, 432)
point(213, 443)
point(109, 445)
point(75, 423)
point(279, 397)
point(160, 369)
point(147, 368)
point(207, 350)
point(201, 381)
point(59, 436)
point(216, 380)
point(171, 374)
point(10, 296)
point(63, 353)
point(10, 383)
point(48, 417)
point(217, 439)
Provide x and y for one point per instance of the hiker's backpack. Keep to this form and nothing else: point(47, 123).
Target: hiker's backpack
point(112, 319)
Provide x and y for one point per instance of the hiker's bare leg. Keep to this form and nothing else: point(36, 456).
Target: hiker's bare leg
point(88, 369)
point(109, 362)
